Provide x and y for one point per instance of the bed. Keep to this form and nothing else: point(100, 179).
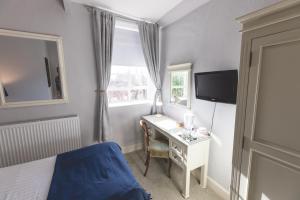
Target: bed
point(98, 171)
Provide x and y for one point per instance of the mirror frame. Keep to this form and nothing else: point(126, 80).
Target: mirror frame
point(37, 36)
point(181, 67)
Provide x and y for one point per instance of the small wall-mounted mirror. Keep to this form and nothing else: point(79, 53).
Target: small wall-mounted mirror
point(180, 84)
point(31, 69)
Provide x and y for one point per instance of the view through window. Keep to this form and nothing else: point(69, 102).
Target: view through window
point(179, 87)
point(130, 82)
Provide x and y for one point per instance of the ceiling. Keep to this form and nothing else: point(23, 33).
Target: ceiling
point(146, 9)
point(153, 10)
point(182, 9)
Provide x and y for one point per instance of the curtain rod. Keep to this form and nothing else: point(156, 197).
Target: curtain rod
point(117, 13)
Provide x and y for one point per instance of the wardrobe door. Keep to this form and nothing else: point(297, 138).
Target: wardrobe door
point(272, 127)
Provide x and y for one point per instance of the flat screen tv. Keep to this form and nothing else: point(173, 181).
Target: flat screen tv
point(218, 86)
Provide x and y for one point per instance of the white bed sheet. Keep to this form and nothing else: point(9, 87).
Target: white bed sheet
point(28, 181)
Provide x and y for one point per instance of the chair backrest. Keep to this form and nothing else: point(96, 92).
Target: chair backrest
point(144, 126)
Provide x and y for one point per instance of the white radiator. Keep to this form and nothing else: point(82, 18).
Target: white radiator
point(29, 141)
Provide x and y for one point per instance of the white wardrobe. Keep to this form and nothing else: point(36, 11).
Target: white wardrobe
point(266, 160)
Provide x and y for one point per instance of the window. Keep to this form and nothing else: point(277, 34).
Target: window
point(130, 82)
point(180, 81)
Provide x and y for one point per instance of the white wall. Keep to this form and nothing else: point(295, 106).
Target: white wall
point(209, 38)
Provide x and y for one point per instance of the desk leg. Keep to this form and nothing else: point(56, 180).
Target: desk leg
point(204, 176)
point(186, 185)
point(204, 169)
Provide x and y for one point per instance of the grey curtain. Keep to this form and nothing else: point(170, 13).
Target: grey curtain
point(103, 24)
point(149, 34)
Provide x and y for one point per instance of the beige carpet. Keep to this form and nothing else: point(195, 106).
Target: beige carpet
point(159, 185)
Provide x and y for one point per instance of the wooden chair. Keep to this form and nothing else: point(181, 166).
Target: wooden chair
point(155, 148)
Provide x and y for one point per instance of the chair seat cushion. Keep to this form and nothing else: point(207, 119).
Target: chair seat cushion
point(159, 148)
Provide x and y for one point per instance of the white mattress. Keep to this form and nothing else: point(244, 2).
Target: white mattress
point(28, 181)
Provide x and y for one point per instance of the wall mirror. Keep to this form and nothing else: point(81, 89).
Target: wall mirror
point(31, 69)
point(180, 84)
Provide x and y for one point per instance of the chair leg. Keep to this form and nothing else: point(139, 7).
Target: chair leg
point(147, 163)
point(146, 159)
point(146, 156)
point(169, 168)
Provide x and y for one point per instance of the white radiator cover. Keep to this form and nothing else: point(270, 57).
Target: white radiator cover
point(24, 142)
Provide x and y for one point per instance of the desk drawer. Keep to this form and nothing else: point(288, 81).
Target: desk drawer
point(178, 149)
point(177, 158)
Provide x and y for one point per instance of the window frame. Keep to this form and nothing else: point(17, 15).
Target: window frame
point(185, 67)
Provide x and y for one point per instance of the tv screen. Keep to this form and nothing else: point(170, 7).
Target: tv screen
point(219, 86)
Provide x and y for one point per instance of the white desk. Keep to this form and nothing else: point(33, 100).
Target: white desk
point(187, 155)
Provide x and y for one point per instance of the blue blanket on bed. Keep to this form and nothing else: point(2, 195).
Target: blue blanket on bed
point(97, 172)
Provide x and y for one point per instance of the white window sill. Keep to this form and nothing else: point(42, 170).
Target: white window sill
point(115, 105)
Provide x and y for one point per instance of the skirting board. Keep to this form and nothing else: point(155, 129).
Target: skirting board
point(218, 189)
point(132, 148)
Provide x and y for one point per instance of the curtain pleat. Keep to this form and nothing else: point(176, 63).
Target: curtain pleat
point(149, 34)
point(103, 24)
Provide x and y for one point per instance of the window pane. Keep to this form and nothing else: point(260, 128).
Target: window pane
point(139, 76)
point(129, 84)
point(119, 77)
point(138, 94)
point(177, 92)
point(116, 96)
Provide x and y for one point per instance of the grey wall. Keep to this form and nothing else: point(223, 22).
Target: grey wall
point(125, 123)
point(47, 16)
point(209, 38)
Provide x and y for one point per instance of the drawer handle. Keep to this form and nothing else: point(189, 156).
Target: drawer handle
point(175, 155)
point(175, 150)
point(178, 161)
